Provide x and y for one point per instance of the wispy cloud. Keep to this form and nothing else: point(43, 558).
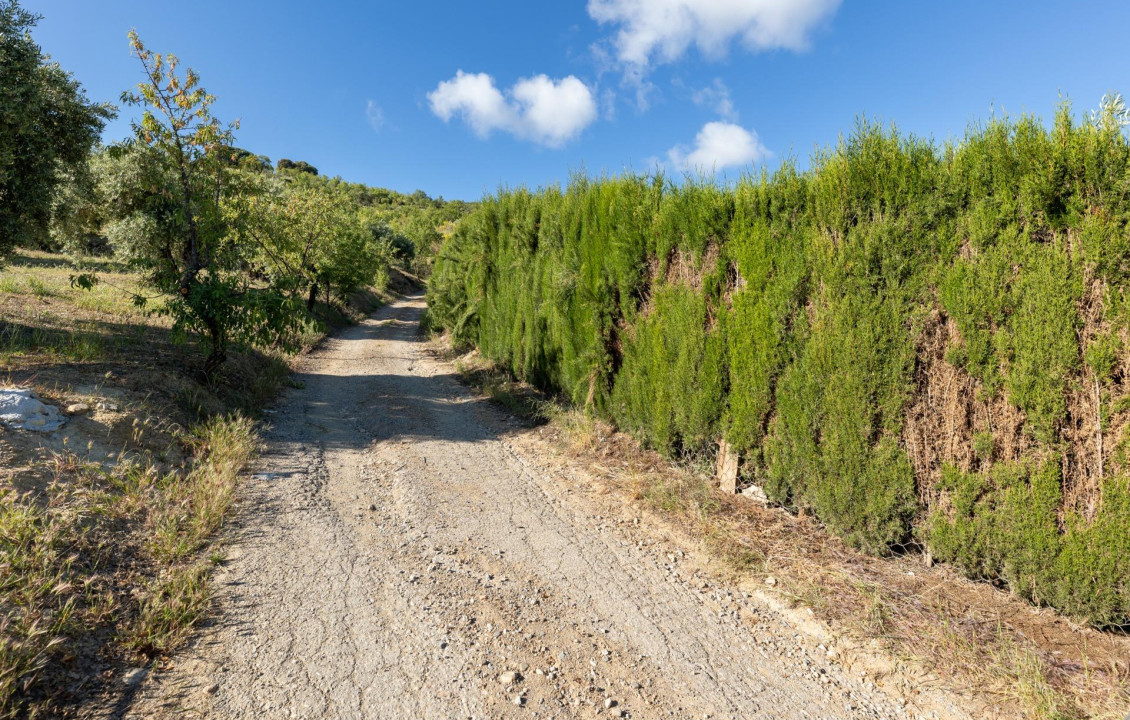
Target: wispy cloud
point(661, 31)
point(539, 109)
point(375, 115)
point(717, 97)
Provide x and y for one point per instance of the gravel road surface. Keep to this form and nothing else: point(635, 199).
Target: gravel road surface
point(402, 552)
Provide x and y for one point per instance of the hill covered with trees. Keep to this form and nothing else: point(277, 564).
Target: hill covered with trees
point(234, 250)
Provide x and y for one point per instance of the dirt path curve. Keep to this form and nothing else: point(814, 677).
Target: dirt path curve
point(398, 552)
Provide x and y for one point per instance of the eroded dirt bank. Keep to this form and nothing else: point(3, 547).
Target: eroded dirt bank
point(400, 550)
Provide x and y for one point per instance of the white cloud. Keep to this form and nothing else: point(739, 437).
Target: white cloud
point(553, 111)
point(652, 31)
point(546, 111)
point(717, 97)
point(717, 146)
point(375, 115)
point(476, 99)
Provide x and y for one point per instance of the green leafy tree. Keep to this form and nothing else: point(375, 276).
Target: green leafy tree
point(421, 230)
point(78, 212)
point(47, 128)
point(301, 166)
point(247, 160)
point(310, 240)
point(169, 188)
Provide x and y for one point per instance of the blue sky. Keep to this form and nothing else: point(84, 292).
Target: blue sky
point(371, 91)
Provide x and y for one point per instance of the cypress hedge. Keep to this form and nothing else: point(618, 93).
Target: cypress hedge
point(923, 345)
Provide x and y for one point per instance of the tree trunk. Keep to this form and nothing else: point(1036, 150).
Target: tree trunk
point(213, 363)
point(219, 349)
point(312, 297)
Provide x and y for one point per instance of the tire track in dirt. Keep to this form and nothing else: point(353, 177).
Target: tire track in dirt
point(400, 548)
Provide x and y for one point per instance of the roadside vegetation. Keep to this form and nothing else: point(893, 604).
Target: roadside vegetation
point(906, 624)
point(924, 347)
point(107, 526)
point(155, 288)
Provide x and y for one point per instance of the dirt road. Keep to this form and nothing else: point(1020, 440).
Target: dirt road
point(401, 550)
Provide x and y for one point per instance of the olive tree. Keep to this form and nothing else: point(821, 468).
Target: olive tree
point(47, 128)
point(312, 240)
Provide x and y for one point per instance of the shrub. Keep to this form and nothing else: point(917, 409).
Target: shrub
point(1005, 524)
point(788, 315)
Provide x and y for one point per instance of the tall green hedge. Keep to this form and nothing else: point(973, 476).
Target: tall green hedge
point(787, 315)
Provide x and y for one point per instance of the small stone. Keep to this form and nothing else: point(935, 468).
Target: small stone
point(756, 493)
point(519, 700)
point(134, 677)
point(213, 689)
point(509, 677)
point(78, 409)
point(771, 581)
point(609, 703)
point(372, 507)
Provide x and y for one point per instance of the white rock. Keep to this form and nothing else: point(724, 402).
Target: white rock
point(21, 408)
point(509, 677)
point(757, 494)
point(134, 677)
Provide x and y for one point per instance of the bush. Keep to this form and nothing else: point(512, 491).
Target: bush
point(789, 315)
point(1004, 524)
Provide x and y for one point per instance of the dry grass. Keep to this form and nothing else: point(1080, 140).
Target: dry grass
point(108, 527)
point(37, 592)
point(1016, 661)
point(493, 382)
point(76, 554)
point(193, 507)
point(171, 607)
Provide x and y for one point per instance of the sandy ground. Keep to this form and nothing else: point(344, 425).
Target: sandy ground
point(402, 552)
